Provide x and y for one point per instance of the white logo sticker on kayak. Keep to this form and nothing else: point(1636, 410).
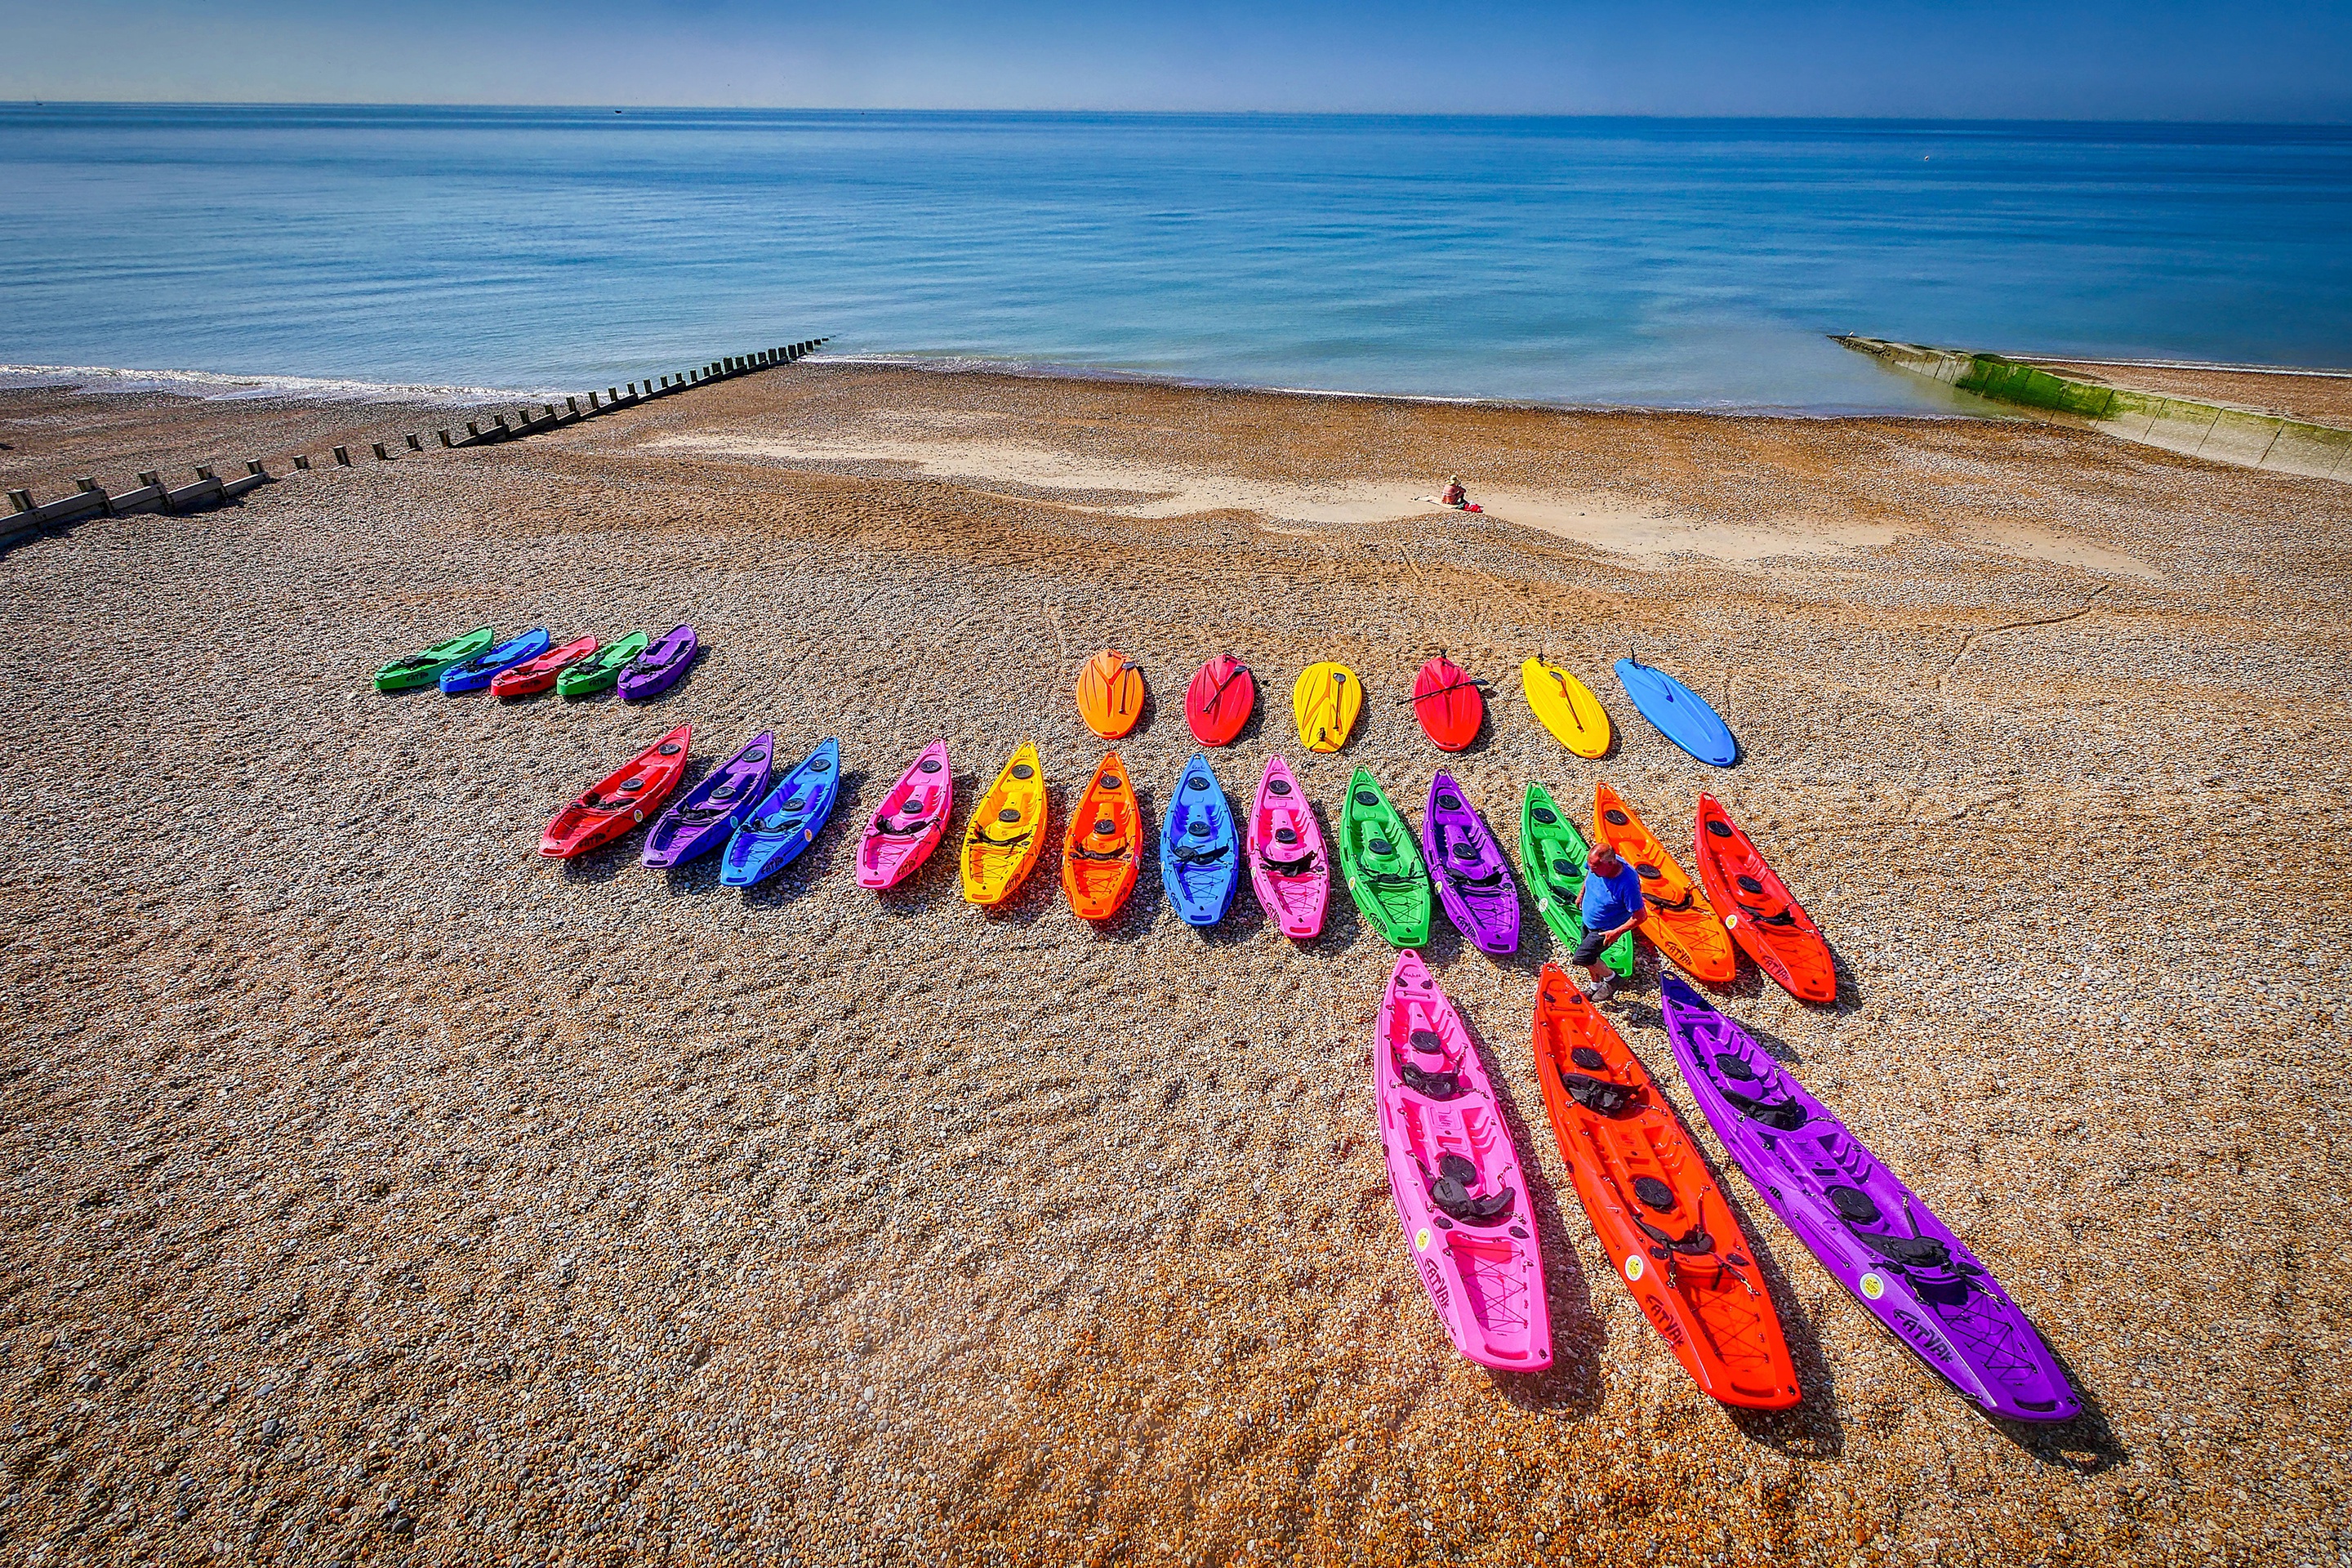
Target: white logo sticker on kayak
point(1421, 1240)
point(1730, 920)
point(1872, 1285)
point(1634, 1268)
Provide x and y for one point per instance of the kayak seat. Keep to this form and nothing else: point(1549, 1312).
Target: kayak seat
point(1434, 1084)
point(1080, 852)
point(1491, 881)
point(1303, 865)
point(1192, 856)
point(1785, 1115)
point(1908, 1251)
point(914, 827)
point(1013, 842)
point(1693, 1243)
point(1452, 1195)
point(1597, 1095)
point(1428, 1042)
point(1589, 1059)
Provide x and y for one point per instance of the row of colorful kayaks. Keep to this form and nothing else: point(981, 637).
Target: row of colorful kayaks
point(765, 819)
point(1328, 699)
point(532, 662)
point(1670, 1233)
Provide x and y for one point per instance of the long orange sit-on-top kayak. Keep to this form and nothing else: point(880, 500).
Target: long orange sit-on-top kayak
point(1681, 924)
point(1654, 1205)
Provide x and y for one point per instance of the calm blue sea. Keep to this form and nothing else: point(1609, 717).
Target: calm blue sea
point(1659, 262)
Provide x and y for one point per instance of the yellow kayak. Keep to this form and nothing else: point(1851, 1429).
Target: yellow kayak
point(1325, 702)
point(1566, 706)
point(1007, 831)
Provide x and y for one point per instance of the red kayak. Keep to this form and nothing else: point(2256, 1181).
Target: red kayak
point(1218, 702)
point(540, 673)
point(627, 796)
point(1448, 703)
point(1765, 918)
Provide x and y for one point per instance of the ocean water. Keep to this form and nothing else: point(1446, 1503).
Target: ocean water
point(1648, 262)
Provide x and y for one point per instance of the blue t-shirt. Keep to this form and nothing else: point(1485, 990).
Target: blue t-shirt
point(1606, 905)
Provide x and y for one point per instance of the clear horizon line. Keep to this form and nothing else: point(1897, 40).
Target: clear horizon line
point(1130, 113)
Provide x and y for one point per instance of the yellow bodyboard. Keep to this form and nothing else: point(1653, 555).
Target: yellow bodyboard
point(1566, 706)
point(1325, 702)
point(1007, 831)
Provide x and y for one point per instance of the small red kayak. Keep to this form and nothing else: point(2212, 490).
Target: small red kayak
point(540, 673)
point(624, 798)
point(1448, 703)
point(1218, 702)
point(1765, 918)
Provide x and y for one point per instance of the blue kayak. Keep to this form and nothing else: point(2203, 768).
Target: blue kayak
point(479, 671)
point(1200, 850)
point(787, 822)
point(1681, 714)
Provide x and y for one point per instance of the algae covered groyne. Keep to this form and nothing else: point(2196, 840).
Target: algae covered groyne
point(2221, 432)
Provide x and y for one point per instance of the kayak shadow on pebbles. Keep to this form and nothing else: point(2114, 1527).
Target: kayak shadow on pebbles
point(835, 847)
point(1574, 1383)
point(2085, 1446)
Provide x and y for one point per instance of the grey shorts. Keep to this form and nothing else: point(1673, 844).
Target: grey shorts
point(1587, 952)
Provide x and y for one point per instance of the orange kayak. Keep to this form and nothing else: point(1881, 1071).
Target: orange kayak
point(1682, 924)
point(1764, 916)
point(1110, 694)
point(1656, 1206)
point(1100, 859)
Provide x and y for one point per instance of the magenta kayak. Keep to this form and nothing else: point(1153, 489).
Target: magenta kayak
point(907, 827)
point(1460, 1194)
point(1289, 870)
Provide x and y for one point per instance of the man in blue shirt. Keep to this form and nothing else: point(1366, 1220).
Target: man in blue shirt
point(1612, 905)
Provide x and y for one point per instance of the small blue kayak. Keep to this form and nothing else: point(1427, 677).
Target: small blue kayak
point(787, 822)
point(480, 670)
point(1200, 850)
point(1681, 714)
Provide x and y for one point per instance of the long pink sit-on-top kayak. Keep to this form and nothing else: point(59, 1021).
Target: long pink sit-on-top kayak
point(1460, 1193)
point(1288, 867)
point(907, 828)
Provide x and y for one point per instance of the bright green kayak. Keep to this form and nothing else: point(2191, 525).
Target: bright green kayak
point(600, 669)
point(424, 669)
point(1383, 865)
point(1553, 852)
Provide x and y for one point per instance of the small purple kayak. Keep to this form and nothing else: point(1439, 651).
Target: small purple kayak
point(1473, 881)
point(704, 819)
point(657, 668)
point(1867, 1228)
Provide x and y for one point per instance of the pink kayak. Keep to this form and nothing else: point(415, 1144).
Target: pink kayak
point(1455, 1176)
point(907, 828)
point(1288, 865)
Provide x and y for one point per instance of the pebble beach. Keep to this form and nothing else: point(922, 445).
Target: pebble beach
point(378, 1192)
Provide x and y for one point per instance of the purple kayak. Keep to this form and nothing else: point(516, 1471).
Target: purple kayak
point(708, 815)
point(1473, 881)
point(1867, 1228)
point(657, 668)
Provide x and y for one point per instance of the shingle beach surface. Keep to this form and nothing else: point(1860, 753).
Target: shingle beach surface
point(376, 1190)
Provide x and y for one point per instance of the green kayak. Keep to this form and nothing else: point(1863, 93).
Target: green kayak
point(600, 669)
point(424, 669)
point(1383, 865)
point(1553, 852)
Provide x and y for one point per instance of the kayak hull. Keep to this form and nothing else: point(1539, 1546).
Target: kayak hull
point(1102, 854)
point(706, 815)
point(622, 800)
point(909, 823)
point(1874, 1234)
point(777, 831)
point(1456, 1178)
point(660, 667)
point(1383, 865)
point(1552, 853)
point(1200, 849)
point(1763, 916)
point(1290, 871)
point(1473, 881)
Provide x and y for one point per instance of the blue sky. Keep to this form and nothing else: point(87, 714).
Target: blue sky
point(2056, 59)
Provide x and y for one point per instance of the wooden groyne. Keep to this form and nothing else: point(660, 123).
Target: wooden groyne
point(2195, 427)
point(89, 499)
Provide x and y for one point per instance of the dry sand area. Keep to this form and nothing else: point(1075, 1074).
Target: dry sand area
point(375, 1191)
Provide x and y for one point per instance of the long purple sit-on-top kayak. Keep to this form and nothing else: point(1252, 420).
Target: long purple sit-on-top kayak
point(1866, 1228)
point(1473, 881)
point(657, 668)
point(707, 816)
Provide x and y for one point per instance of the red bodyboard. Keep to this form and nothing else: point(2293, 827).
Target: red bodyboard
point(1448, 704)
point(1218, 702)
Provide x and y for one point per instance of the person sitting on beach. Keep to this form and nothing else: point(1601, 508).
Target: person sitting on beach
point(1612, 905)
point(1455, 496)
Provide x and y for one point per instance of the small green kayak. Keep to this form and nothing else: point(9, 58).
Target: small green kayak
point(1553, 852)
point(1383, 865)
point(424, 669)
point(600, 669)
